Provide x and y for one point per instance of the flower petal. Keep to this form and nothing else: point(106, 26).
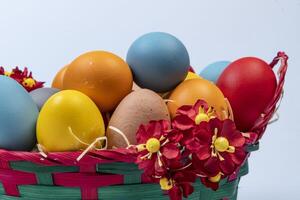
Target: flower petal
point(230, 132)
point(186, 110)
point(165, 124)
point(204, 152)
point(184, 176)
point(170, 151)
point(216, 123)
point(199, 103)
point(159, 167)
point(227, 165)
point(228, 128)
point(154, 129)
point(239, 156)
point(175, 135)
point(203, 133)
point(212, 166)
point(187, 189)
point(237, 139)
point(175, 193)
point(141, 135)
point(192, 144)
point(183, 122)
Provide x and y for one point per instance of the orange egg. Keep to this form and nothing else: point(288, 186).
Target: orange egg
point(189, 91)
point(59, 77)
point(104, 77)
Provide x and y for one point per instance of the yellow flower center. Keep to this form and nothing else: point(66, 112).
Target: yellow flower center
point(7, 73)
point(221, 144)
point(153, 145)
point(165, 184)
point(216, 179)
point(29, 82)
point(201, 117)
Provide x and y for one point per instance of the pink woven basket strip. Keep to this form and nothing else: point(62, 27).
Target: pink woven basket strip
point(25, 156)
point(11, 179)
point(89, 193)
point(116, 155)
point(66, 158)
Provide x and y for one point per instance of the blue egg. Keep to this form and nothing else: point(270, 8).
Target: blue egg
point(214, 70)
point(159, 61)
point(41, 95)
point(18, 115)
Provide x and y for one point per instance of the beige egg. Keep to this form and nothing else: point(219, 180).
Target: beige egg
point(139, 107)
point(135, 87)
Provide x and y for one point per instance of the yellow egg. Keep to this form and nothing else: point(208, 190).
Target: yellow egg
point(192, 75)
point(69, 121)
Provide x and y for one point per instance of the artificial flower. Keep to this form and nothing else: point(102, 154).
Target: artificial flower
point(155, 149)
point(189, 116)
point(179, 184)
point(25, 79)
point(217, 149)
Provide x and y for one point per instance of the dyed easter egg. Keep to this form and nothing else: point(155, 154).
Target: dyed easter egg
point(139, 107)
point(59, 77)
point(135, 87)
point(188, 92)
point(18, 114)
point(103, 76)
point(249, 84)
point(69, 121)
point(191, 75)
point(41, 95)
point(214, 70)
point(159, 61)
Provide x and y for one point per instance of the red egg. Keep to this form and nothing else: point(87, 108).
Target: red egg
point(249, 84)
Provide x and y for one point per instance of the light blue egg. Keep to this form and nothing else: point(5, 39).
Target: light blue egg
point(18, 115)
point(214, 70)
point(159, 61)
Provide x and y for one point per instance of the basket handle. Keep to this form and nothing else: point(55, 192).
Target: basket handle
point(261, 123)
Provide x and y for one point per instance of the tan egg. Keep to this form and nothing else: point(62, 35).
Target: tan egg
point(135, 87)
point(139, 107)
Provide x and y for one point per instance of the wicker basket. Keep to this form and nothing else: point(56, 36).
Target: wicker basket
point(107, 174)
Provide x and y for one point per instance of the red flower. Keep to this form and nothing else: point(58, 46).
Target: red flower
point(178, 185)
point(190, 116)
point(217, 149)
point(198, 144)
point(155, 149)
point(23, 77)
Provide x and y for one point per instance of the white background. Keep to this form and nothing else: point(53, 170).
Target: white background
point(46, 35)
